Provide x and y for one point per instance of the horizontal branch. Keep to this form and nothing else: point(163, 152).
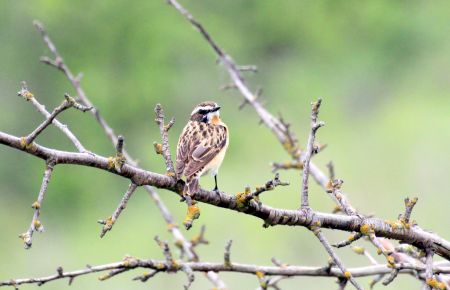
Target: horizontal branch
point(130, 263)
point(271, 216)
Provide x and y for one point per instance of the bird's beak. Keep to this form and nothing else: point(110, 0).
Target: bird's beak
point(215, 109)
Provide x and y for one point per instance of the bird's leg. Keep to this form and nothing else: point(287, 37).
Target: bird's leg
point(216, 189)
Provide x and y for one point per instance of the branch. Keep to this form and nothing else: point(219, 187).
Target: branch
point(347, 274)
point(287, 165)
point(36, 224)
point(67, 103)
point(271, 216)
point(309, 151)
point(130, 263)
point(27, 95)
point(270, 185)
point(409, 205)
point(227, 255)
point(110, 221)
point(164, 129)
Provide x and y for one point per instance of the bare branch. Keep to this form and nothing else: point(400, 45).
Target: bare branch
point(362, 251)
point(250, 68)
point(41, 108)
point(352, 238)
point(391, 277)
point(309, 151)
point(110, 221)
point(226, 256)
point(164, 129)
point(287, 165)
point(130, 263)
point(36, 224)
point(270, 185)
point(347, 274)
point(334, 191)
point(67, 103)
point(271, 216)
point(430, 281)
point(200, 238)
point(409, 205)
point(330, 166)
point(166, 251)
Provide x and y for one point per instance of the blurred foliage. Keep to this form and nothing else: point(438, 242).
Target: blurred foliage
point(381, 67)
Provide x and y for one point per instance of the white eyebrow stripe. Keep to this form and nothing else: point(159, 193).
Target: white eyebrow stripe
point(201, 108)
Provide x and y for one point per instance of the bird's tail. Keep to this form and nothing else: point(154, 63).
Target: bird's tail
point(191, 186)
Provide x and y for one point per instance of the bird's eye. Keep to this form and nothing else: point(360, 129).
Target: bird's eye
point(203, 112)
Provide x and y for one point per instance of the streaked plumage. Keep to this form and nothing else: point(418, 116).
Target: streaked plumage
point(202, 146)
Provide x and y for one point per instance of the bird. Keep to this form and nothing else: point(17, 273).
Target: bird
point(201, 147)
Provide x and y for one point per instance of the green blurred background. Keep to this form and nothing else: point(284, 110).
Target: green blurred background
point(381, 67)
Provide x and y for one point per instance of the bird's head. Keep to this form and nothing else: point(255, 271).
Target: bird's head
point(207, 112)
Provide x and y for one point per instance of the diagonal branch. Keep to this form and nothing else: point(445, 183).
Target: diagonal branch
point(67, 103)
point(36, 224)
point(110, 221)
point(347, 274)
point(27, 95)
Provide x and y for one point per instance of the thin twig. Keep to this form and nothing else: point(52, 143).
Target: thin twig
point(330, 166)
point(36, 224)
point(166, 251)
point(26, 94)
point(430, 281)
point(227, 254)
point(67, 103)
point(347, 274)
point(287, 165)
point(352, 238)
point(409, 205)
point(250, 68)
point(391, 277)
point(164, 129)
point(309, 151)
point(110, 221)
point(270, 185)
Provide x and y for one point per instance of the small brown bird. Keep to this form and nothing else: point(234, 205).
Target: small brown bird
point(202, 146)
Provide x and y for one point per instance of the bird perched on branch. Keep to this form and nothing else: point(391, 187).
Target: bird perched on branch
point(202, 146)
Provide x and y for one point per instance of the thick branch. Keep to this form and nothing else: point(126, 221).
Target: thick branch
point(271, 216)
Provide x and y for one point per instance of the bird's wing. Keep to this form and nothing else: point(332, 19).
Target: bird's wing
point(183, 148)
point(211, 140)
